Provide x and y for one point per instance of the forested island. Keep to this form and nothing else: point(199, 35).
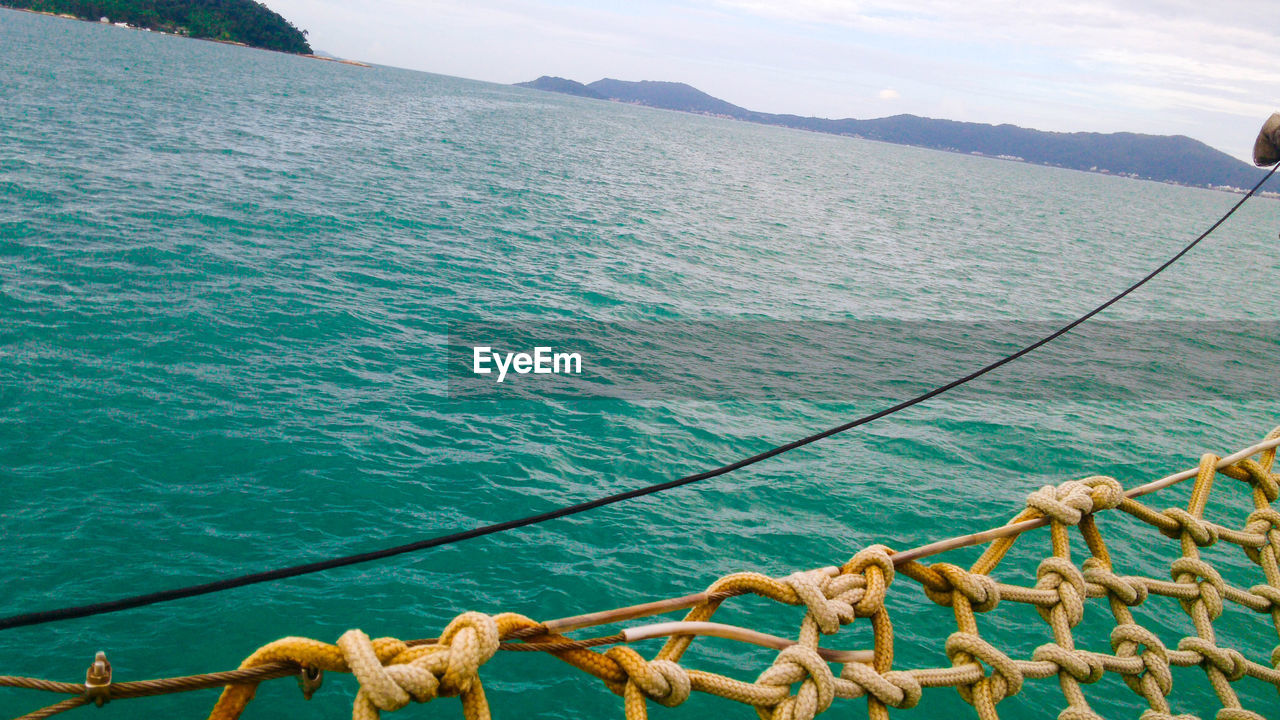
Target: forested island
point(1164, 158)
point(240, 21)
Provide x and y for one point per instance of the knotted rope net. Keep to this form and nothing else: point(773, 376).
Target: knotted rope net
point(806, 678)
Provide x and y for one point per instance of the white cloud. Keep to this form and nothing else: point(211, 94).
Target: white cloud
point(1098, 65)
point(1213, 65)
point(1193, 42)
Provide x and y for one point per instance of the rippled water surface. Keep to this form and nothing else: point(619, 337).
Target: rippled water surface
point(226, 282)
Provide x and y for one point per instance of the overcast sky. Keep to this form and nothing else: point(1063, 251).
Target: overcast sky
point(1207, 69)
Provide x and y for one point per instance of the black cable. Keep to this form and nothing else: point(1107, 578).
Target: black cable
point(100, 608)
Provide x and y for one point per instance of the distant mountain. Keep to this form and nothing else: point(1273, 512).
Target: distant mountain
point(561, 85)
point(243, 21)
point(1165, 158)
point(667, 95)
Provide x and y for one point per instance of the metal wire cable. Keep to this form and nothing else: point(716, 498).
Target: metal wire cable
point(99, 608)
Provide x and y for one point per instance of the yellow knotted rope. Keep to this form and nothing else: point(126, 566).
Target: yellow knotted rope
point(801, 684)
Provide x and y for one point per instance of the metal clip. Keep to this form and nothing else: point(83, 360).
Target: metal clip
point(97, 680)
point(309, 680)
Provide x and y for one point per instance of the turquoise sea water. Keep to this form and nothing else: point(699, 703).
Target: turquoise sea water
point(226, 282)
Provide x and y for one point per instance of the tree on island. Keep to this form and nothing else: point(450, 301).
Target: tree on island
point(244, 21)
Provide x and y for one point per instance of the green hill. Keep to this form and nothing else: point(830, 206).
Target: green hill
point(669, 95)
point(1165, 158)
point(243, 21)
point(561, 85)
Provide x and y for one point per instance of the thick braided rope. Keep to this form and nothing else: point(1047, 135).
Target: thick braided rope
point(391, 674)
point(800, 684)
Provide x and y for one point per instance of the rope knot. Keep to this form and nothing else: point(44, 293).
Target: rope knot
point(1127, 589)
point(895, 688)
point(876, 565)
point(1228, 661)
point(471, 638)
point(1070, 501)
point(980, 590)
point(662, 681)
point(1202, 533)
point(451, 667)
point(1107, 492)
point(1084, 667)
point(383, 688)
point(1065, 503)
point(800, 664)
point(1211, 588)
point(813, 588)
point(1263, 521)
point(1155, 676)
point(1058, 573)
point(1270, 593)
point(874, 556)
point(1259, 477)
point(1005, 678)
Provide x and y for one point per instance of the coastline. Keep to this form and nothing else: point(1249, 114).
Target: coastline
point(340, 61)
point(67, 16)
point(1230, 190)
